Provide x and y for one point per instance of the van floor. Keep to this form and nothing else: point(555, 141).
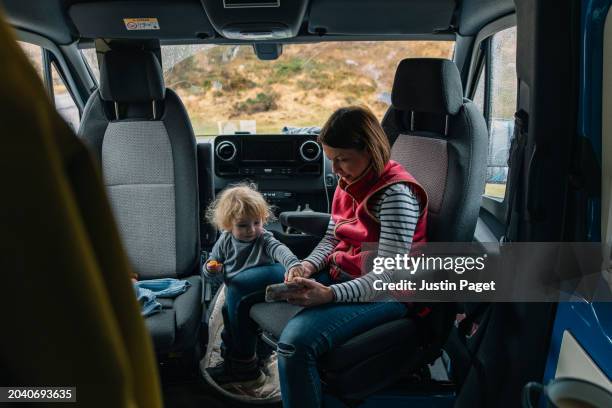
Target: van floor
point(197, 393)
point(183, 388)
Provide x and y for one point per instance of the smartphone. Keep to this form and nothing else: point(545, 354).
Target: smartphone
point(281, 291)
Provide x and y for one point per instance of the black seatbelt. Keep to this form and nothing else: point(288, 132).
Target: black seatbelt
point(464, 329)
point(465, 325)
point(515, 163)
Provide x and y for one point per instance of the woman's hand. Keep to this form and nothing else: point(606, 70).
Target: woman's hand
point(312, 293)
point(309, 268)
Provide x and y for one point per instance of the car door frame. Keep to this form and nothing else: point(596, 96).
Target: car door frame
point(491, 222)
point(69, 64)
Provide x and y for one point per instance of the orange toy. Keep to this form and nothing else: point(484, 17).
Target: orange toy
point(213, 266)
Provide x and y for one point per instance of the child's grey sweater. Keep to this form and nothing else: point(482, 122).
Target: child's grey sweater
point(237, 255)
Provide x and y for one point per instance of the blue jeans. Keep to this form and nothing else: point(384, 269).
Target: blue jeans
point(310, 334)
point(242, 291)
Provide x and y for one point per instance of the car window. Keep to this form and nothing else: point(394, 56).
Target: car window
point(480, 92)
point(34, 54)
point(501, 100)
point(63, 100)
point(226, 88)
point(91, 60)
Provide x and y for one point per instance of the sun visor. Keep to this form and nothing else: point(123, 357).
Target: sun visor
point(176, 19)
point(40, 17)
point(366, 17)
point(256, 20)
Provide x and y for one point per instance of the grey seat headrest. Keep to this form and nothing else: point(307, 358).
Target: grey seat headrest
point(427, 85)
point(131, 76)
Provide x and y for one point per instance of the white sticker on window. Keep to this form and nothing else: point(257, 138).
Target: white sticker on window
point(132, 24)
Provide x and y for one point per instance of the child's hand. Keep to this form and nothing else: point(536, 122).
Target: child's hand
point(214, 266)
point(296, 271)
point(134, 278)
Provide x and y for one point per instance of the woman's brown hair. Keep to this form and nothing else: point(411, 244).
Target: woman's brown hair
point(356, 127)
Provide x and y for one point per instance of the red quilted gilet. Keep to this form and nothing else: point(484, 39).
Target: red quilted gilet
point(354, 223)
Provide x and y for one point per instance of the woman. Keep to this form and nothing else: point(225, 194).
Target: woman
point(376, 200)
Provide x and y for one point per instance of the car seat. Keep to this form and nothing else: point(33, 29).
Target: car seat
point(143, 139)
point(441, 138)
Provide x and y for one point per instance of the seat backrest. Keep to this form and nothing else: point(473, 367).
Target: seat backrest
point(441, 138)
point(142, 136)
point(208, 232)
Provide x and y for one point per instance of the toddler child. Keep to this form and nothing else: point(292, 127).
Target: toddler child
point(241, 212)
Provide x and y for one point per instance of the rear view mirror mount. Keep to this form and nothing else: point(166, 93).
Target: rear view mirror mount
point(268, 51)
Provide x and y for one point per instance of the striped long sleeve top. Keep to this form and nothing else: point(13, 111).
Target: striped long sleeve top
point(397, 208)
point(236, 255)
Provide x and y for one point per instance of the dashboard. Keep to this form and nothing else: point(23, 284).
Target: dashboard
point(291, 170)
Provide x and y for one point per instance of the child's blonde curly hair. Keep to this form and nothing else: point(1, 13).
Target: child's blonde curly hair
point(237, 202)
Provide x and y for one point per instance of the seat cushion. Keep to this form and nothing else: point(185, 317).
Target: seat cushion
point(374, 359)
point(273, 317)
point(396, 333)
point(360, 366)
point(176, 326)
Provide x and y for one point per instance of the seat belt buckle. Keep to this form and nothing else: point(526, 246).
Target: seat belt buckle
point(466, 327)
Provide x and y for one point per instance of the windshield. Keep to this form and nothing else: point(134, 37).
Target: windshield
point(226, 88)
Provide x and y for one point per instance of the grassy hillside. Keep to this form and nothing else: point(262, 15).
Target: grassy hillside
point(302, 88)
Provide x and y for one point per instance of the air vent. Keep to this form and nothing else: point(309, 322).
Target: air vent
point(250, 3)
point(226, 151)
point(310, 150)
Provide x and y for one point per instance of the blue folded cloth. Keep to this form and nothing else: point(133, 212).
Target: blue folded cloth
point(293, 130)
point(165, 287)
point(148, 304)
point(148, 291)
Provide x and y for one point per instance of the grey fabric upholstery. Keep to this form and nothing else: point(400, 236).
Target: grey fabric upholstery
point(372, 352)
point(128, 76)
point(273, 316)
point(176, 323)
point(374, 359)
point(93, 124)
point(208, 232)
point(430, 165)
point(98, 116)
point(427, 85)
point(467, 164)
point(137, 153)
point(184, 156)
point(149, 167)
point(138, 172)
point(465, 135)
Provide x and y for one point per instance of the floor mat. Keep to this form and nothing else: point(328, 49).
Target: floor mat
point(198, 394)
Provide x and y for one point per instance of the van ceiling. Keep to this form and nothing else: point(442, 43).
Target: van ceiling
point(65, 21)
